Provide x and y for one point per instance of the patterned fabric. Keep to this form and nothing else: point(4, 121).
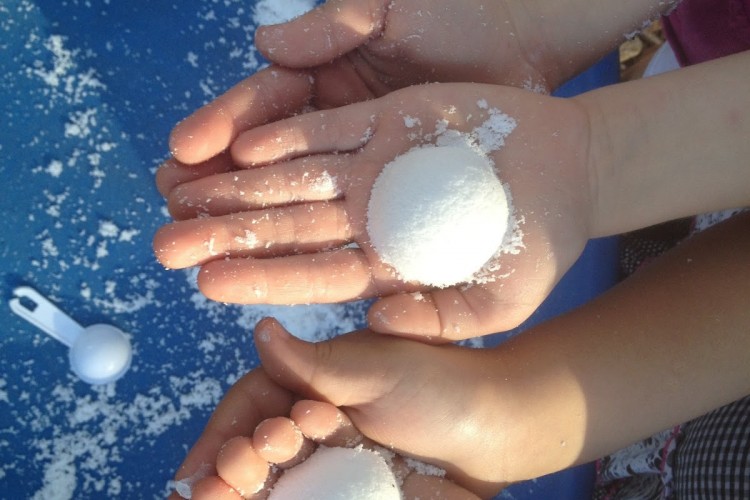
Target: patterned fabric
point(706, 458)
point(643, 470)
point(641, 247)
point(713, 459)
point(704, 221)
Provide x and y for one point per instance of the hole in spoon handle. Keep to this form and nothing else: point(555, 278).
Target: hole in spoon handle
point(40, 312)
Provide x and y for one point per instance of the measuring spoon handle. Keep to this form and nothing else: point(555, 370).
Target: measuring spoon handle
point(44, 315)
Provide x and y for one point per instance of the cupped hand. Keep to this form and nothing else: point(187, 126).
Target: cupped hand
point(348, 51)
point(291, 227)
point(260, 429)
point(481, 415)
point(263, 425)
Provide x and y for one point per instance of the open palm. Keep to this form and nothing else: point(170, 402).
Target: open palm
point(291, 227)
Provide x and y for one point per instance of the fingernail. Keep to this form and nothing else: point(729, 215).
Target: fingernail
point(184, 486)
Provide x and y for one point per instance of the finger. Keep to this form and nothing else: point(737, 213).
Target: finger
point(250, 400)
point(279, 231)
point(172, 173)
point(185, 486)
point(242, 467)
point(330, 426)
point(214, 488)
point(337, 130)
point(323, 34)
point(321, 278)
point(437, 316)
point(267, 96)
point(340, 373)
point(280, 441)
point(326, 424)
point(307, 179)
point(451, 314)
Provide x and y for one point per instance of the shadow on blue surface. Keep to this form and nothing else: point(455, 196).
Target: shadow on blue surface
point(89, 91)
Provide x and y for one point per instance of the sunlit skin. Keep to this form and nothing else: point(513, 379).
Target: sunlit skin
point(303, 201)
point(570, 390)
point(566, 392)
point(347, 51)
point(294, 221)
point(248, 466)
point(570, 165)
point(351, 51)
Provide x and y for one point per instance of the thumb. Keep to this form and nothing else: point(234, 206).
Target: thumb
point(350, 370)
point(323, 34)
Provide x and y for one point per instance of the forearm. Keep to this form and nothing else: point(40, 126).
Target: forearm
point(568, 36)
point(665, 346)
point(670, 146)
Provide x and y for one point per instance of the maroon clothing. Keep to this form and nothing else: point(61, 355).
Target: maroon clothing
point(701, 30)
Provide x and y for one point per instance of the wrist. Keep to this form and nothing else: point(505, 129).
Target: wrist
point(659, 150)
point(599, 163)
point(541, 411)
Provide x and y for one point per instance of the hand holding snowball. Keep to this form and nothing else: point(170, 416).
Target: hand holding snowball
point(258, 436)
point(386, 387)
point(293, 226)
point(314, 452)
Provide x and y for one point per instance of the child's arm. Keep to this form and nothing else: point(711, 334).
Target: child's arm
point(670, 146)
point(669, 344)
point(568, 36)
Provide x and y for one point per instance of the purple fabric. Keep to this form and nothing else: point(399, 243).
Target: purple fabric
point(701, 30)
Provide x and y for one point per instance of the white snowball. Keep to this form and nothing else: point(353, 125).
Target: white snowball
point(338, 474)
point(437, 214)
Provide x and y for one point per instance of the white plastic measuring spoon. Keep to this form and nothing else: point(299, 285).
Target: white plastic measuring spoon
point(98, 353)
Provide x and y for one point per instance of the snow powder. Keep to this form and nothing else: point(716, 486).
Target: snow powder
point(339, 474)
point(274, 12)
point(438, 214)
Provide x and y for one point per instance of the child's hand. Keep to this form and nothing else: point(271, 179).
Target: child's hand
point(281, 233)
point(383, 45)
point(349, 51)
point(250, 466)
point(247, 433)
point(256, 433)
point(479, 414)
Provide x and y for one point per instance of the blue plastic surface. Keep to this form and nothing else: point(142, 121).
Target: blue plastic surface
point(89, 91)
